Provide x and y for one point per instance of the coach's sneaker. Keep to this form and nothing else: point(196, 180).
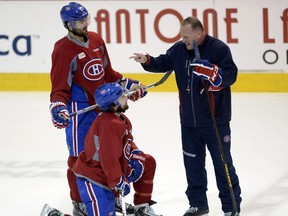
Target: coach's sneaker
point(230, 214)
point(118, 207)
point(48, 211)
point(144, 210)
point(79, 209)
point(194, 211)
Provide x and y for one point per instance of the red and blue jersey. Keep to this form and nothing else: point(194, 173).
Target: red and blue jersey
point(78, 69)
point(108, 146)
point(86, 65)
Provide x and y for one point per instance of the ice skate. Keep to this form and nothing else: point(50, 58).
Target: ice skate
point(118, 207)
point(230, 213)
point(144, 210)
point(79, 209)
point(194, 211)
point(48, 211)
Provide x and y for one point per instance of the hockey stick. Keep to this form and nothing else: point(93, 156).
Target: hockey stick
point(162, 80)
point(123, 204)
point(92, 107)
point(222, 154)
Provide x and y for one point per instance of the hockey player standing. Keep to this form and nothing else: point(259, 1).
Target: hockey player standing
point(111, 160)
point(197, 129)
point(80, 64)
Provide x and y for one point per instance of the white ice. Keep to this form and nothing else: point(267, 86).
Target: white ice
point(33, 154)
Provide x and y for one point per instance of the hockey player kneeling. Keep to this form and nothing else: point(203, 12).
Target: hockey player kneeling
point(111, 162)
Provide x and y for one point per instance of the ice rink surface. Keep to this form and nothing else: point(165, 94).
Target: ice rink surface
point(33, 154)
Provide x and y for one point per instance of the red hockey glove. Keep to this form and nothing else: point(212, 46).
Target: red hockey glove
point(136, 87)
point(211, 72)
point(139, 93)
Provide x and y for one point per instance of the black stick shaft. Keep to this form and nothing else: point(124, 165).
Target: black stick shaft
point(222, 154)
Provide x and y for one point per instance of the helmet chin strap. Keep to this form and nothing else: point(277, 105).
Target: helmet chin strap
point(118, 107)
point(120, 110)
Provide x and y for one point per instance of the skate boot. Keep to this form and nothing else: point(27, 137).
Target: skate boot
point(194, 211)
point(144, 210)
point(118, 207)
point(48, 211)
point(79, 209)
point(230, 213)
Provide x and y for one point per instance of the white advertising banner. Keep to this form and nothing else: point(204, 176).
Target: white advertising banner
point(256, 31)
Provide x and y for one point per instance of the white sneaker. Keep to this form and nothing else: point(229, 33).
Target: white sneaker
point(144, 210)
point(230, 213)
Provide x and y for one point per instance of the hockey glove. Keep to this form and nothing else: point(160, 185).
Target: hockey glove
point(136, 163)
point(123, 186)
point(211, 72)
point(135, 85)
point(59, 114)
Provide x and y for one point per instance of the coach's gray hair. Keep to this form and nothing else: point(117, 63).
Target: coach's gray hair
point(194, 22)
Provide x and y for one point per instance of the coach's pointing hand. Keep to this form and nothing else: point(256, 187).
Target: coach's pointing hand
point(139, 57)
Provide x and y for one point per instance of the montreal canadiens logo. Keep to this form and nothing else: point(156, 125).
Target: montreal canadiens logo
point(93, 70)
point(227, 138)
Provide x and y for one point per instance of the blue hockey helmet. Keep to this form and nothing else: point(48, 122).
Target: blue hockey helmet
point(73, 12)
point(108, 94)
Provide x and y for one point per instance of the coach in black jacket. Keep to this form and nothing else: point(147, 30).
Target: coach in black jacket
point(219, 72)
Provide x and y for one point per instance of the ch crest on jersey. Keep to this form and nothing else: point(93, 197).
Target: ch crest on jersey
point(127, 150)
point(93, 70)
